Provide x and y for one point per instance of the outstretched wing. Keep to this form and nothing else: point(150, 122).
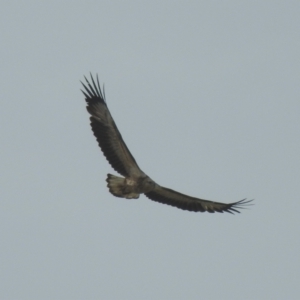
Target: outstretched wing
point(170, 197)
point(106, 131)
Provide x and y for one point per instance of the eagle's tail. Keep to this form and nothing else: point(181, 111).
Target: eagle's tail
point(118, 187)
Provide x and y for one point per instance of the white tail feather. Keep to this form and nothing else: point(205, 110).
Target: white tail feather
point(118, 187)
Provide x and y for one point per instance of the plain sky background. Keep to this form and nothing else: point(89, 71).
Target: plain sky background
point(207, 97)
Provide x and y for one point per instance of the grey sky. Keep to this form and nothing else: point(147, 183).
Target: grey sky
point(206, 96)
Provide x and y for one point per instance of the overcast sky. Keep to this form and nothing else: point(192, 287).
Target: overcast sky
point(206, 95)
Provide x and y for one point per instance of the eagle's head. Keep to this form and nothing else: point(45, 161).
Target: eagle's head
point(147, 184)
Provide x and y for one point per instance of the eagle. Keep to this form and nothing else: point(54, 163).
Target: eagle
point(135, 181)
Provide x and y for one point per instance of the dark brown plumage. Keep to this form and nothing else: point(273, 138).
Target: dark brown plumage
point(135, 181)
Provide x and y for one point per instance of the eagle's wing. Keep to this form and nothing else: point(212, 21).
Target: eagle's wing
point(170, 197)
point(106, 131)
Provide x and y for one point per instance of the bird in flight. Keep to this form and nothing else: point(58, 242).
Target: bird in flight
point(135, 181)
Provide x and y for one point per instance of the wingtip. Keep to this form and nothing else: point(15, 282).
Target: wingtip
point(242, 204)
point(93, 88)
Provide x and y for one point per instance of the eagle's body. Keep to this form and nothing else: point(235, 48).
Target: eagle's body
point(135, 181)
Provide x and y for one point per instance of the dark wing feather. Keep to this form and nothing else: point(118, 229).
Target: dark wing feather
point(106, 131)
point(170, 197)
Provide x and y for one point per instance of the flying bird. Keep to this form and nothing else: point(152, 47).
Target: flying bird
point(135, 181)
